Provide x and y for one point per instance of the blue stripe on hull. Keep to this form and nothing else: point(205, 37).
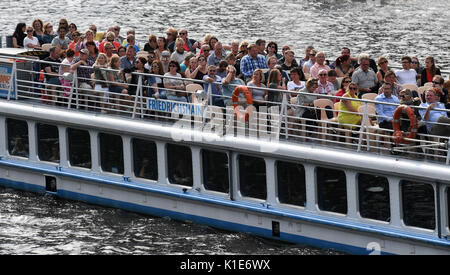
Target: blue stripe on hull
point(234, 227)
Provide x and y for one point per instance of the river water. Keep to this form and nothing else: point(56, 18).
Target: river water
point(39, 224)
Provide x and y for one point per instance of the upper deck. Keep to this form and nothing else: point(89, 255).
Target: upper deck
point(23, 82)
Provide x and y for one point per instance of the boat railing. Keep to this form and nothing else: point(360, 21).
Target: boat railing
point(197, 109)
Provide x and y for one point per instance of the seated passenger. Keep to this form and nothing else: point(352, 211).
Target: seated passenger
point(133, 79)
point(365, 78)
point(65, 68)
point(343, 66)
point(383, 64)
point(117, 87)
point(344, 87)
point(431, 116)
point(308, 64)
point(61, 40)
point(76, 43)
point(251, 62)
point(31, 42)
point(38, 30)
point(216, 92)
point(48, 33)
point(52, 71)
point(386, 112)
point(162, 46)
point(131, 40)
point(222, 69)
point(152, 44)
point(407, 75)
point(175, 88)
point(289, 58)
point(304, 108)
point(306, 58)
point(19, 35)
point(110, 38)
point(406, 98)
point(101, 80)
point(429, 72)
point(272, 50)
point(325, 87)
point(348, 109)
point(229, 83)
point(438, 85)
point(128, 60)
point(297, 81)
point(156, 82)
point(179, 53)
point(390, 77)
point(275, 81)
point(200, 70)
point(217, 55)
point(83, 64)
point(332, 77)
point(257, 81)
point(190, 45)
point(319, 65)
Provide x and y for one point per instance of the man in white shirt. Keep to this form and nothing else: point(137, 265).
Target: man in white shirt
point(407, 75)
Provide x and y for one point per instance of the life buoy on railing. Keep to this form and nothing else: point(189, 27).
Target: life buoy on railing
point(235, 100)
point(399, 136)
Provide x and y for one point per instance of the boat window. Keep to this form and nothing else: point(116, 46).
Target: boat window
point(145, 159)
point(252, 177)
point(18, 144)
point(48, 142)
point(215, 171)
point(374, 197)
point(418, 204)
point(79, 148)
point(111, 153)
point(291, 183)
point(179, 160)
point(332, 190)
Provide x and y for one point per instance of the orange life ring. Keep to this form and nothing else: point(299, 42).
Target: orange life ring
point(399, 136)
point(235, 100)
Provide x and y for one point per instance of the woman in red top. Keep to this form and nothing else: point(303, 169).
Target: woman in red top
point(344, 85)
point(429, 71)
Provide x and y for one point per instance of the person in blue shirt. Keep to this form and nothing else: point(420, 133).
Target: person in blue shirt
point(386, 112)
point(432, 116)
point(211, 78)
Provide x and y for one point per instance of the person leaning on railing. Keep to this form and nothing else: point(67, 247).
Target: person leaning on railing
point(82, 65)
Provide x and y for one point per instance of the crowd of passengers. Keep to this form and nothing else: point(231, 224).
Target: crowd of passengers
point(257, 65)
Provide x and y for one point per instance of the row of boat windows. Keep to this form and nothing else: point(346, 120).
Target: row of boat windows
point(418, 198)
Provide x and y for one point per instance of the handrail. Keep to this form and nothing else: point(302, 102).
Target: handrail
point(276, 122)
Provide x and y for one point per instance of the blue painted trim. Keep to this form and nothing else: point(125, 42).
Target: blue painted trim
point(205, 198)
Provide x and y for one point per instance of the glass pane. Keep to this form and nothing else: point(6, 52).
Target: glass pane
point(179, 160)
point(374, 197)
point(145, 159)
point(418, 204)
point(18, 144)
point(215, 171)
point(111, 152)
point(291, 183)
point(332, 190)
point(48, 142)
point(252, 177)
point(79, 148)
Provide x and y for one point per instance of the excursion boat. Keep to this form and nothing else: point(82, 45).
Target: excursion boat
point(320, 184)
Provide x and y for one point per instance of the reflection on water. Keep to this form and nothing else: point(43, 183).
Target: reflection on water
point(381, 27)
point(41, 224)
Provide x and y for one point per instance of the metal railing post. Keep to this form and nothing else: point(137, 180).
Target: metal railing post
point(138, 94)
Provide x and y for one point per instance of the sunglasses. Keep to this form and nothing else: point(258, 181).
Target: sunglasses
point(353, 88)
point(322, 74)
